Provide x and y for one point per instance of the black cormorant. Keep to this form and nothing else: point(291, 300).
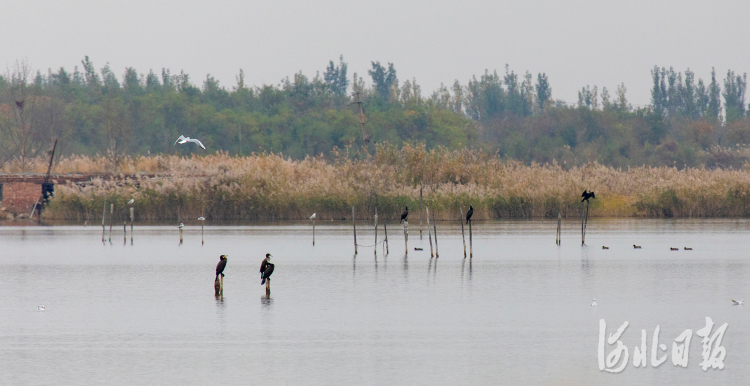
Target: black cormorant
point(469, 214)
point(586, 195)
point(266, 269)
point(220, 267)
point(404, 215)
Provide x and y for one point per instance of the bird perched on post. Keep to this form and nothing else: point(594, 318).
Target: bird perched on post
point(404, 215)
point(266, 269)
point(220, 267)
point(183, 139)
point(313, 216)
point(469, 214)
point(586, 195)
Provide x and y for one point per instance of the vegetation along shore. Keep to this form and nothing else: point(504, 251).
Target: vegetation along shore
point(273, 186)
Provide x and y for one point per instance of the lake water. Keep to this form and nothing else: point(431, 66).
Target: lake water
point(518, 313)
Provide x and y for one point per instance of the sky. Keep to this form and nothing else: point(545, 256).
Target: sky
point(576, 43)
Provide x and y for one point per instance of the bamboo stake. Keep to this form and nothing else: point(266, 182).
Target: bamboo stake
point(463, 235)
point(429, 231)
point(376, 231)
point(354, 225)
point(313, 232)
point(124, 232)
point(434, 225)
point(558, 238)
point(385, 229)
point(132, 217)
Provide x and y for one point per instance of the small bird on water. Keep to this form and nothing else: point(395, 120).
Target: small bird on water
point(220, 267)
point(603, 247)
point(736, 303)
point(636, 246)
point(586, 195)
point(593, 304)
point(469, 214)
point(266, 269)
point(41, 308)
point(404, 215)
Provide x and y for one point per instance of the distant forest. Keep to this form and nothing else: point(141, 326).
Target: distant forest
point(689, 123)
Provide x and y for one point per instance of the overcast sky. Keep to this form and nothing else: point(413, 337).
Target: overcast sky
point(577, 43)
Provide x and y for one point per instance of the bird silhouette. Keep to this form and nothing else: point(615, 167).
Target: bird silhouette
point(404, 215)
point(182, 139)
point(469, 214)
point(586, 195)
point(636, 246)
point(313, 216)
point(266, 269)
point(736, 303)
point(220, 267)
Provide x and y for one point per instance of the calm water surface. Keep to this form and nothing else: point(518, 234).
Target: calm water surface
point(518, 313)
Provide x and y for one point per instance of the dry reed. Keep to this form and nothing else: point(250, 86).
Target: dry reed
point(271, 186)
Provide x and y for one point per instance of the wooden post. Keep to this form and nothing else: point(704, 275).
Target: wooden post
point(376, 231)
point(471, 244)
point(268, 288)
point(385, 229)
point(420, 212)
point(434, 224)
point(180, 235)
point(132, 217)
point(406, 236)
point(201, 232)
point(584, 223)
point(313, 232)
point(558, 238)
point(463, 236)
point(124, 232)
point(111, 214)
point(354, 225)
point(429, 231)
point(104, 216)
point(219, 286)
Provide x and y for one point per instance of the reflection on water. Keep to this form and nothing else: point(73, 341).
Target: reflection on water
point(143, 311)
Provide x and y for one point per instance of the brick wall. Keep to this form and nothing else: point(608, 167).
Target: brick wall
point(19, 197)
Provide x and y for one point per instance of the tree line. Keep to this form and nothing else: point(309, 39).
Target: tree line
point(689, 123)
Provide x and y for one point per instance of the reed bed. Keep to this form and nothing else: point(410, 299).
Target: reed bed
point(271, 187)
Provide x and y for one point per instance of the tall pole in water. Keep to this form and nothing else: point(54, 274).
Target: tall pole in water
point(376, 231)
point(420, 212)
point(132, 216)
point(354, 225)
point(558, 238)
point(584, 223)
point(471, 244)
point(385, 229)
point(104, 217)
point(111, 214)
point(463, 235)
point(429, 231)
point(434, 225)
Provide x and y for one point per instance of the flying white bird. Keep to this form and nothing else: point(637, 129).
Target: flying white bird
point(313, 216)
point(736, 303)
point(132, 200)
point(593, 304)
point(184, 139)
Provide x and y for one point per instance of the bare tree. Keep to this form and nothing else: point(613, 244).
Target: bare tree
point(28, 119)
